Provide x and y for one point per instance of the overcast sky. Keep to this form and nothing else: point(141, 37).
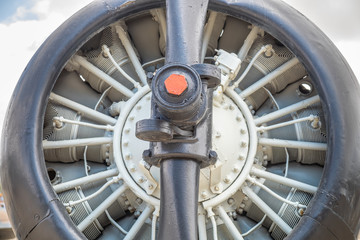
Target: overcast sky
point(25, 24)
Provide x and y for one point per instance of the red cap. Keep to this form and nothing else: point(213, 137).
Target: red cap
point(176, 84)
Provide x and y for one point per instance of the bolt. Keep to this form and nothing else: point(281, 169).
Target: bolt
point(216, 188)
point(139, 201)
point(244, 144)
point(231, 107)
point(131, 118)
point(126, 143)
point(58, 124)
point(137, 214)
point(230, 201)
point(128, 156)
point(241, 158)
point(240, 211)
point(132, 169)
point(150, 76)
point(176, 84)
point(127, 130)
point(265, 157)
point(151, 186)
point(146, 154)
point(242, 205)
point(141, 180)
point(69, 209)
point(236, 169)
point(246, 198)
point(243, 131)
point(213, 156)
point(148, 98)
point(238, 118)
point(301, 211)
point(138, 107)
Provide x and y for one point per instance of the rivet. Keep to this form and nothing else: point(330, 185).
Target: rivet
point(216, 188)
point(148, 98)
point(151, 186)
point(217, 134)
point(243, 131)
point(138, 107)
point(236, 169)
point(238, 118)
point(127, 130)
point(128, 156)
point(227, 179)
point(243, 144)
point(126, 143)
point(241, 157)
point(231, 107)
point(131, 118)
point(203, 194)
point(141, 180)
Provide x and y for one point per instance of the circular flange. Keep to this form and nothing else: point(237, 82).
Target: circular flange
point(233, 140)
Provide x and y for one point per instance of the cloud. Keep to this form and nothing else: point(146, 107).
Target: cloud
point(338, 19)
point(24, 34)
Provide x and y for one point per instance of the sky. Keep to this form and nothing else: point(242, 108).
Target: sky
point(25, 24)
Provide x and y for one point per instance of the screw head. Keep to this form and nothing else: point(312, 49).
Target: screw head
point(176, 84)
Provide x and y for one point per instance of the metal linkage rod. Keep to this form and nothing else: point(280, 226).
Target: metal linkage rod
point(229, 224)
point(269, 77)
point(283, 180)
point(287, 110)
point(76, 142)
point(125, 40)
point(102, 75)
point(102, 207)
point(139, 223)
point(91, 113)
point(267, 210)
point(293, 144)
point(85, 180)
